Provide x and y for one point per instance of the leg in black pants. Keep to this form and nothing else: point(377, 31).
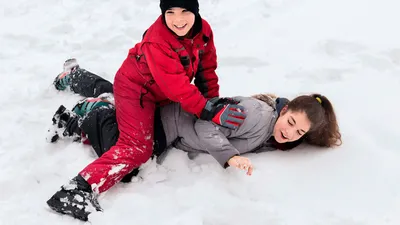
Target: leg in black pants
point(96, 121)
point(88, 84)
point(81, 81)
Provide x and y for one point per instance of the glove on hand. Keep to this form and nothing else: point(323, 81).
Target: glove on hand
point(224, 112)
point(225, 100)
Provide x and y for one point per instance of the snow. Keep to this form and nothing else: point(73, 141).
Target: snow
point(115, 169)
point(347, 50)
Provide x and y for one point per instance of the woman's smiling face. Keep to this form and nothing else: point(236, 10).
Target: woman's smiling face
point(291, 126)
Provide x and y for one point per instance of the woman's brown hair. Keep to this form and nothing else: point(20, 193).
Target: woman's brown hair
point(324, 130)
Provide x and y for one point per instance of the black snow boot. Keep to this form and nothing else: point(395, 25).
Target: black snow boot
point(75, 199)
point(65, 124)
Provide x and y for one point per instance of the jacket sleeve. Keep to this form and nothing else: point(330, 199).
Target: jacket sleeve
point(206, 78)
point(170, 76)
point(215, 142)
point(223, 143)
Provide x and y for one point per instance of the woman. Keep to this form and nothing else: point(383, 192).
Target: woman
point(271, 123)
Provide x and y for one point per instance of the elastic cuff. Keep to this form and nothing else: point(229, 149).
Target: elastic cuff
point(224, 161)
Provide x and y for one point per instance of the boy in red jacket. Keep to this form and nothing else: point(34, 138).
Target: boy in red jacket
point(177, 48)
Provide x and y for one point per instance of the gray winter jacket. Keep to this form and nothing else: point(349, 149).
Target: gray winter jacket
point(199, 136)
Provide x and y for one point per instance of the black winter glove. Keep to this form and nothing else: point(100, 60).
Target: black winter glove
point(225, 100)
point(224, 111)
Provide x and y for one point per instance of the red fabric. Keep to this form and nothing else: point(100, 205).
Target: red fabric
point(135, 142)
point(160, 53)
point(154, 73)
point(84, 139)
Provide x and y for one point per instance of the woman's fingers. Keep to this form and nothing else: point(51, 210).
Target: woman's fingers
point(248, 168)
point(246, 165)
point(242, 163)
point(250, 171)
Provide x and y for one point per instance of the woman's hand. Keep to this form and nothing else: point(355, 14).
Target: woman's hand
point(242, 163)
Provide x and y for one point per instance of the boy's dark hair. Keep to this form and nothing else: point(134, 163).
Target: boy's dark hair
point(324, 129)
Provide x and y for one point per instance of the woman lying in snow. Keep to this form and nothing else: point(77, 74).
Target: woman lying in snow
point(271, 123)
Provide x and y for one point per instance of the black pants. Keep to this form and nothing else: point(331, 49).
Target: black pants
point(100, 125)
point(88, 84)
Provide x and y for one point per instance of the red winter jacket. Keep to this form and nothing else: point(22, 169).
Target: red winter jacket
point(165, 65)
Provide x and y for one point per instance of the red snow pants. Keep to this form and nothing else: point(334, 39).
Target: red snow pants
point(135, 143)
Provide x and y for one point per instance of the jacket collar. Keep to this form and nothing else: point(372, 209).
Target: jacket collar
point(280, 103)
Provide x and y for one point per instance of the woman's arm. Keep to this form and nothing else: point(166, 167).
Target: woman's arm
point(223, 143)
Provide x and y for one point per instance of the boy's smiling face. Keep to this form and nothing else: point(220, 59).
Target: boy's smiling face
point(179, 20)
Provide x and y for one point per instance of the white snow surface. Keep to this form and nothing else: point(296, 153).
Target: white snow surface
point(348, 50)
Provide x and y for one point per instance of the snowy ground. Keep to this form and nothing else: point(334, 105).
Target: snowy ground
point(348, 50)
